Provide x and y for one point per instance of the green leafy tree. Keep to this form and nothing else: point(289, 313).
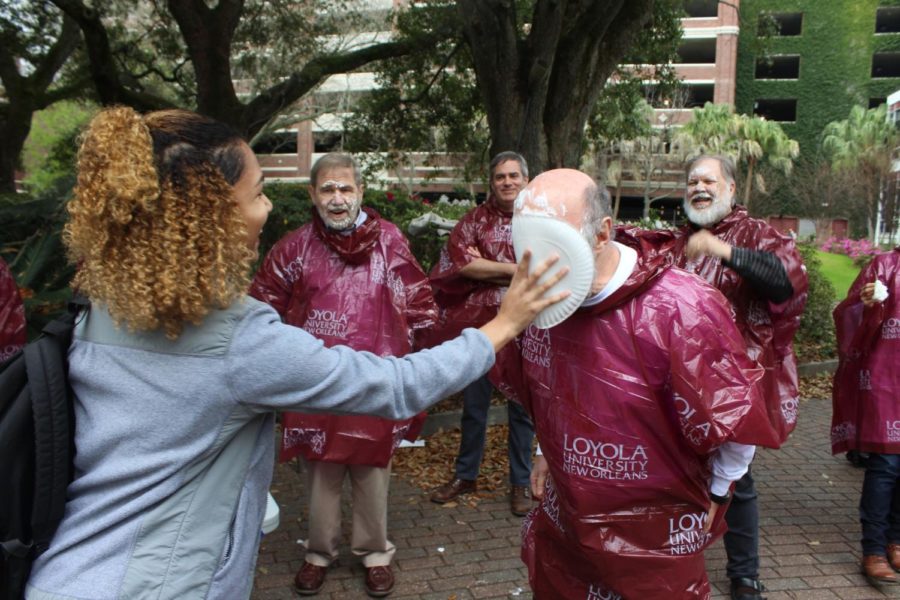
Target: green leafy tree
point(752, 141)
point(861, 145)
point(49, 152)
point(36, 42)
point(243, 62)
point(530, 70)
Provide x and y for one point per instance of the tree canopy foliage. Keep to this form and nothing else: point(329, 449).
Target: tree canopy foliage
point(751, 141)
point(862, 144)
point(529, 73)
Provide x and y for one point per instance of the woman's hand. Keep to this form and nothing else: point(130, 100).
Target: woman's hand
point(523, 301)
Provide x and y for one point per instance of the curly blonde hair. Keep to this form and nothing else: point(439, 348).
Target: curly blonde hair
point(153, 225)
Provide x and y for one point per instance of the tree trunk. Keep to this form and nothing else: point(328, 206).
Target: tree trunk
point(14, 128)
point(618, 200)
point(748, 185)
point(538, 92)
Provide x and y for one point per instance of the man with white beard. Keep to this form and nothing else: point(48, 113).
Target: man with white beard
point(760, 272)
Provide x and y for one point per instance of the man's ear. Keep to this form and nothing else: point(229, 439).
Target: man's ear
point(604, 235)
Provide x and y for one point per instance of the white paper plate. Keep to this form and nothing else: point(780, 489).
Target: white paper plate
point(546, 236)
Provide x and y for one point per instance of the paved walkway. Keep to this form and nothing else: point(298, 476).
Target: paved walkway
point(809, 535)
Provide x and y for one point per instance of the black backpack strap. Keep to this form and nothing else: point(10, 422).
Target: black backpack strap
point(47, 366)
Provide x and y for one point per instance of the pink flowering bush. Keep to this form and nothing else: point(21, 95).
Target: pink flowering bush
point(861, 251)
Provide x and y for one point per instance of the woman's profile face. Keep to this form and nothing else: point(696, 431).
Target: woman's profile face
point(248, 193)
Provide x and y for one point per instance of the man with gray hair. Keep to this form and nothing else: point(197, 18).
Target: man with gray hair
point(647, 408)
point(348, 278)
point(469, 280)
point(761, 274)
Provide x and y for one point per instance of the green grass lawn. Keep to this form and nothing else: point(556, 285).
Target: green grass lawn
point(839, 270)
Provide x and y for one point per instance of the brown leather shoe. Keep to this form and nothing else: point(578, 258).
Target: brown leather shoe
point(893, 556)
point(379, 581)
point(877, 570)
point(520, 500)
point(453, 488)
point(309, 579)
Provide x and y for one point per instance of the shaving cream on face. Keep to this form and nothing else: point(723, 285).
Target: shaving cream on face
point(881, 292)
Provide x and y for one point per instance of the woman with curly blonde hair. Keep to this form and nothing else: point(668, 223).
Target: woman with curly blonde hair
point(177, 373)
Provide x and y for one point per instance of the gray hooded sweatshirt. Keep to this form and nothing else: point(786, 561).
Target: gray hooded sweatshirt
point(175, 444)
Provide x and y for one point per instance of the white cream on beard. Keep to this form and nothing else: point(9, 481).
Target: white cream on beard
point(352, 208)
point(711, 215)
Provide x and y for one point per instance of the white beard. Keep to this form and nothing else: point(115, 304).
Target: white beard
point(341, 224)
point(711, 215)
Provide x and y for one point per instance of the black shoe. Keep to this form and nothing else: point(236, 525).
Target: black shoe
point(745, 588)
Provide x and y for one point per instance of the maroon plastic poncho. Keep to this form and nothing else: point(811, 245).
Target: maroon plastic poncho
point(364, 290)
point(466, 302)
point(866, 393)
point(12, 314)
point(768, 329)
point(630, 399)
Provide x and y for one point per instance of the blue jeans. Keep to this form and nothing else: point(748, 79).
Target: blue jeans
point(879, 504)
point(742, 538)
point(476, 402)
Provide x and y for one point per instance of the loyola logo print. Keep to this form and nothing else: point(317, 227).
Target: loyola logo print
point(789, 409)
point(891, 329)
point(892, 429)
point(501, 234)
point(601, 460)
point(329, 323)
point(535, 345)
point(686, 535)
point(695, 432)
point(865, 379)
point(599, 592)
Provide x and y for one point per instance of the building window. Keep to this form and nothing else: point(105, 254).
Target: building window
point(886, 64)
point(701, 8)
point(783, 24)
point(698, 94)
point(876, 102)
point(327, 141)
point(887, 19)
point(698, 51)
point(778, 67)
point(276, 142)
point(776, 109)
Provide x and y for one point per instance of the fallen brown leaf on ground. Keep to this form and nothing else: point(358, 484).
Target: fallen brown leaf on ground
point(816, 387)
point(433, 465)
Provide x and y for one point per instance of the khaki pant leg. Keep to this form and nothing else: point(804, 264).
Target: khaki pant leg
point(325, 483)
point(371, 486)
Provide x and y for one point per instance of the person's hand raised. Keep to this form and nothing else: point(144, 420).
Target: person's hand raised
point(523, 300)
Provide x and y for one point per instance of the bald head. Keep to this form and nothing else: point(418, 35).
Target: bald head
point(567, 195)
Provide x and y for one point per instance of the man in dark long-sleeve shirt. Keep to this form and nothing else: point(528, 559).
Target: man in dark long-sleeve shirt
point(761, 274)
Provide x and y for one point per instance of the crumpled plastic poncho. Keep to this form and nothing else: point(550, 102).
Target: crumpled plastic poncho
point(466, 302)
point(768, 329)
point(364, 290)
point(630, 399)
point(866, 413)
point(12, 315)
